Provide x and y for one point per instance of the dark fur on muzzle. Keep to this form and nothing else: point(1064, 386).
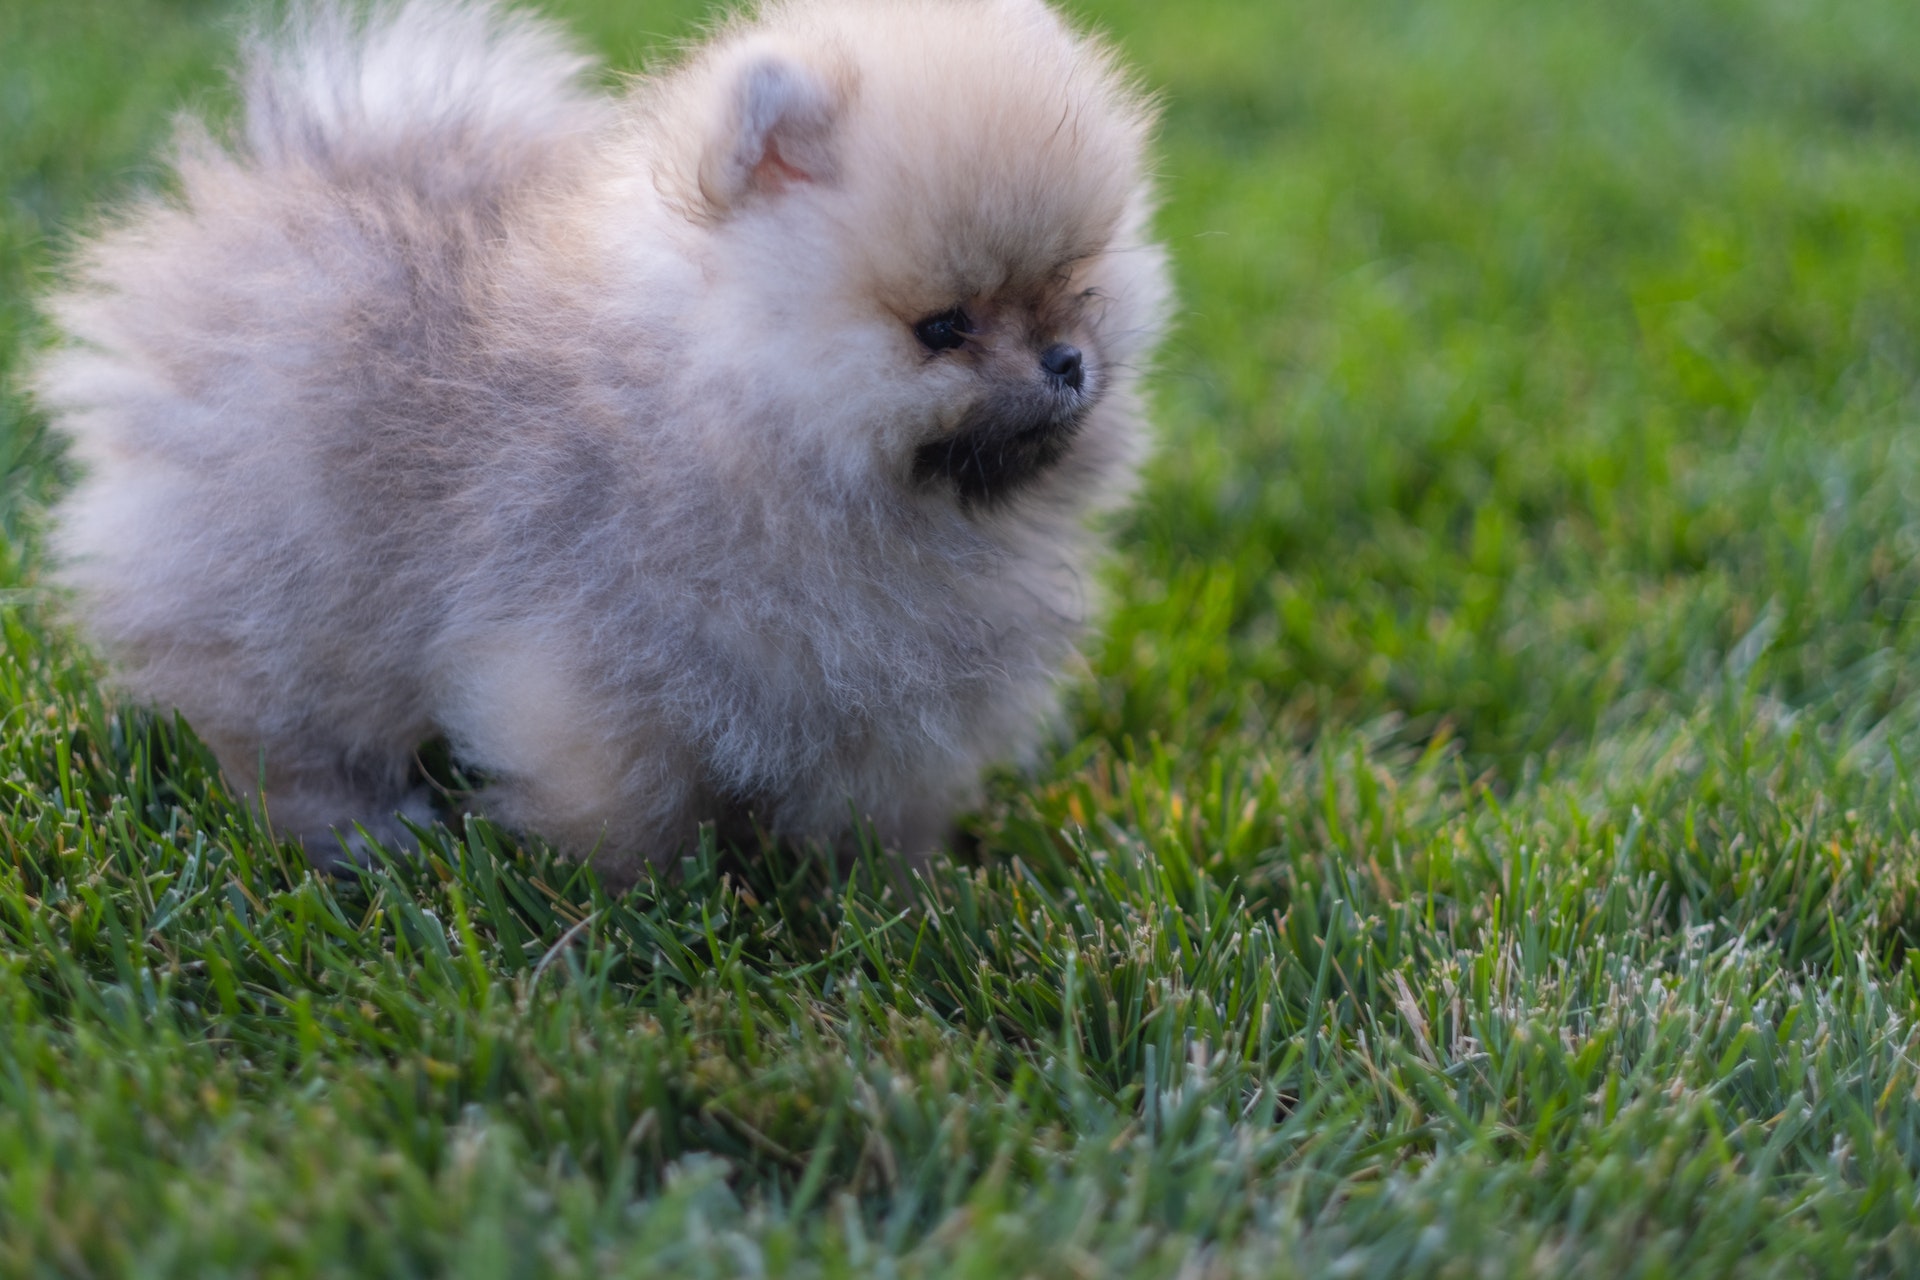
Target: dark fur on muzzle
point(1003, 444)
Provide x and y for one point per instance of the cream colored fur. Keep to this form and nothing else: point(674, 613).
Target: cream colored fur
point(453, 397)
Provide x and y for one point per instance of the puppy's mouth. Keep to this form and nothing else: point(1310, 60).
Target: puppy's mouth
point(1002, 446)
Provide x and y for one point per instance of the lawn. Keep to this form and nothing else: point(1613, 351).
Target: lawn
point(1483, 841)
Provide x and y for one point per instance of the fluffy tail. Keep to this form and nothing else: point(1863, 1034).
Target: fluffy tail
point(232, 341)
point(443, 95)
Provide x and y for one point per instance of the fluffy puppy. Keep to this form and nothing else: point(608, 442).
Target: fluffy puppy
point(723, 451)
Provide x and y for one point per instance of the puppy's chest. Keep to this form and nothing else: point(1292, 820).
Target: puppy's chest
point(858, 633)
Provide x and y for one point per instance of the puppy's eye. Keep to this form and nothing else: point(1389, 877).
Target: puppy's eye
point(945, 331)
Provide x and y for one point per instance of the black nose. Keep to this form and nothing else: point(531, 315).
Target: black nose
point(1062, 361)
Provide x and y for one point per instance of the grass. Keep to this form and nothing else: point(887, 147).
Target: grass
point(1484, 844)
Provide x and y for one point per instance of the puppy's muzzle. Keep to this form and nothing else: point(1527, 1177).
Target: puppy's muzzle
point(1012, 436)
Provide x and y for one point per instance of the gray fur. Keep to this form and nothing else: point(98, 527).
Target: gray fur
point(445, 400)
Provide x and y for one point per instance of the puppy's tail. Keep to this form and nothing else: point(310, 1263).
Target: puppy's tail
point(448, 97)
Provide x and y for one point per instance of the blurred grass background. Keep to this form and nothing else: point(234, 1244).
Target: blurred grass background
point(1484, 843)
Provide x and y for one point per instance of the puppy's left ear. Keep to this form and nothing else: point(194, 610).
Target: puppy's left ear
point(777, 131)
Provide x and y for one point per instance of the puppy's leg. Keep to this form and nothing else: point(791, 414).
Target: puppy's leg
point(332, 801)
point(560, 762)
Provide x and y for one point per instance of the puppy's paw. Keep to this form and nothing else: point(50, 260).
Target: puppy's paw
point(346, 846)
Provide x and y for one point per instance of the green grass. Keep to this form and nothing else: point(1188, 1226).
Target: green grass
point(1485, 843)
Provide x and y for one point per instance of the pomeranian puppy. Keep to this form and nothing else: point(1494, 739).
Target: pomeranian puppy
point(720, 451)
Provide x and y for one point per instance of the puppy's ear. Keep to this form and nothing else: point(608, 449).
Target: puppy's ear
point(777, 131)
